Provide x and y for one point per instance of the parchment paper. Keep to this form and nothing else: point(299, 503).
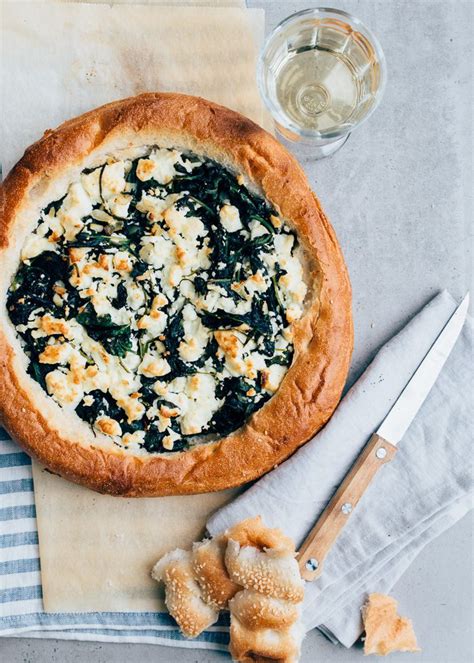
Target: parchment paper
point(59, 60)
point(97, 551)
point(62, 59)
point(165, 3)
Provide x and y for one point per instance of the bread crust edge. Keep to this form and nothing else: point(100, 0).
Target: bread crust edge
point(312, 386)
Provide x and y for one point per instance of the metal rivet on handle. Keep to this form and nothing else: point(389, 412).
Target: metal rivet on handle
point(346, 508)
point(312, 564)
point(381, 452)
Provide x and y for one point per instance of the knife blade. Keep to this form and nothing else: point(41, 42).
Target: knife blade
point(396, 423)
point(380, 449)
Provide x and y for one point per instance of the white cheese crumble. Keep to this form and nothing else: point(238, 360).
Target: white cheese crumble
point(196, 336)
point(76, 205)
point(257, 229)
point(113, 179)
point(230, 218)
point(292, 283)
point(35, 245)
point(160, 166)
point(147, 320)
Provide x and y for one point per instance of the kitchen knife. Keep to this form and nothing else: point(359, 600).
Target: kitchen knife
point(380, 449)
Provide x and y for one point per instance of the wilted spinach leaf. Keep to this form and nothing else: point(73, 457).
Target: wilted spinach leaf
point(174, 336)
point(139, 268)
point(116, 339)
point(102, 404)
point(85, 239)
point(154, 441)
point(56, 204)
point(121, 299)
point(220, 319)
point(33, 286)
point(283, 358)
point(238, 406)
point(39, 371)
point(200, 285)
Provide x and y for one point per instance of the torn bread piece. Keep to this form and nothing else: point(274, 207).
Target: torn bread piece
point(255, 575)
point(385, 630)
point(209, 557)
point(265, 645)
point(211, 574)
point(271, 572)
point(252, 532)
point(257, 611)
point(265, 617)
point(182, 593)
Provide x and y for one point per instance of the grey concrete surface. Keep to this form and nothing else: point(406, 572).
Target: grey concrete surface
point(399, 195)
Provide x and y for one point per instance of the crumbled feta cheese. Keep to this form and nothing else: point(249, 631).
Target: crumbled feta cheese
point(169, 440)
point(135, 297)
point(135, 438)
point(253, 284)
point(154, 367)
point(90, 182)
point(157, 251)
point(53, 326)
point(272, 377)
point(292, 285)
point(230, 218)
point(189, 227)
point(158, 166)
point(133, 408)
point(154, 207)
point(35, 245)
point(176, 244)
point(122, 261)
point(276, 221)
point(154, 323)
point(63, 389)
point(201, 404)
point(113, 179)
point(76, 205)
point(108, 426)
point(119, 204)
point(257, 229)
point(55, 354)
point(196, 336)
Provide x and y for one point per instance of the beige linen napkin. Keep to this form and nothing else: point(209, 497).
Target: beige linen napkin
point(96, 551)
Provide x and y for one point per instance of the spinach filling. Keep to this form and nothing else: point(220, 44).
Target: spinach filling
point(201, 189)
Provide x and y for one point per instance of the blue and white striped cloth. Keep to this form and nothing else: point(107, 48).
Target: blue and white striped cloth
point(21, 605)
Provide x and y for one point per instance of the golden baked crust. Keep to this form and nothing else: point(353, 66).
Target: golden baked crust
point(208, 557)
point(273, 572)
point(210, 572)
point(182, 593)
point(258, 611)
point(264, 645)
point(323, 337)
point(252, 532)
point(385, 630)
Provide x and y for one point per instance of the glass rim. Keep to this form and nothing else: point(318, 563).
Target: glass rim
point(286, 122)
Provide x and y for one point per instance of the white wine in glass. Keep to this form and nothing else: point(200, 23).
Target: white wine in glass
point(321, 73)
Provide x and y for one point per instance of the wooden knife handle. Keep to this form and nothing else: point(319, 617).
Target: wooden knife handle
point(317, 544)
